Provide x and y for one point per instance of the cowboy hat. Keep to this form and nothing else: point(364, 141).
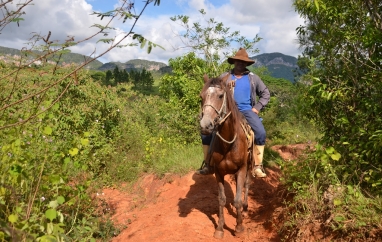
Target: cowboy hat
point(241, 55)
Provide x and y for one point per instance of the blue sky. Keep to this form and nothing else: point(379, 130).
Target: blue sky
point(273, 20)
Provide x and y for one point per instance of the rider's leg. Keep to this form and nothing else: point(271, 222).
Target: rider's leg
point(260, 136)
point(205, 168)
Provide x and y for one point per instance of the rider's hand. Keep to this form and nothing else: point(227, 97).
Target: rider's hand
point(255, 110)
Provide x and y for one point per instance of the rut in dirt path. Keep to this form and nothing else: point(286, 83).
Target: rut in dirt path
point(185, 209)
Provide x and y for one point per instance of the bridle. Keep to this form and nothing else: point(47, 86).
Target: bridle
point(222, 115)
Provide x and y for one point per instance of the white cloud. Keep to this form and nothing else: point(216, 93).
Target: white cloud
point(274, 20)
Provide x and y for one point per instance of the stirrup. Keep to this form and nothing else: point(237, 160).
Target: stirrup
point(204, 169)
point(258, 171)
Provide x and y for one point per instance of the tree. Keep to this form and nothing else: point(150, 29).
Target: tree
point(343, 41)
point(212, 41)
point(209, 45)
point(124, 76)
point(116, 74)
point(109, 78)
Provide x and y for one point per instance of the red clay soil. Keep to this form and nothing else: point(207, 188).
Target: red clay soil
point(291, 152)
point(185, 209)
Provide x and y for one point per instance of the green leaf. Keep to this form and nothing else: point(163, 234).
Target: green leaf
point(60, 199)
point(337, 202)
point(53, 204)
point(84, 141)
point(55, 106)
point(12, 218)
point(339, 218)
point(47, 238)
point(336, 156)
point(330, 150)
point(51, 214)
point(17, 19)
point(317, 5)
point(73, 151)
point(48, 130)
point(49, 228)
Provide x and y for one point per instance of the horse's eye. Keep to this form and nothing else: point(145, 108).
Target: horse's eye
point(221, 96)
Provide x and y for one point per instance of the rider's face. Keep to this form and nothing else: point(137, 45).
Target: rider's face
point(240, 65)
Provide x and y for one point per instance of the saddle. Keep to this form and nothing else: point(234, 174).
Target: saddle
point(248, 131)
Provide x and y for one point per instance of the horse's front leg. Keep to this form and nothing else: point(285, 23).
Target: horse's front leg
point(238, 202)
point(219, 233)
point(246, 188)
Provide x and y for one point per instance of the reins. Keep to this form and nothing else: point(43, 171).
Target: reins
point(223, 115)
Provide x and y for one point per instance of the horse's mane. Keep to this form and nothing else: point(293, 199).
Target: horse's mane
point(231, 104)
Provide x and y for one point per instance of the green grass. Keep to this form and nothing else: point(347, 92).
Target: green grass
point(180, 161)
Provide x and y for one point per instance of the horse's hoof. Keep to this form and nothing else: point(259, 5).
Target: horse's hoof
point(218, 234)
point(239, 229)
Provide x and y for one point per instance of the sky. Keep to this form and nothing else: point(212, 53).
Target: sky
point(275, 21)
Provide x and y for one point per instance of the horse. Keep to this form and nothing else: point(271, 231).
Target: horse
point(230, 151)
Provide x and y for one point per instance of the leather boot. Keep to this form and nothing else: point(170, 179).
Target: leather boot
point(258, 170)
point(205, 169)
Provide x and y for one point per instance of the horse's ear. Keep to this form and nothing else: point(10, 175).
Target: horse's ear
point(225, 78)
point(205, 78)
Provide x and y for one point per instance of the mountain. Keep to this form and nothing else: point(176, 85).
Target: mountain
point(65, 58)
point(136, 64)
point(279, 65)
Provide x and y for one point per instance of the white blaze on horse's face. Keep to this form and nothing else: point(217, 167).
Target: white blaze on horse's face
point(211, 109)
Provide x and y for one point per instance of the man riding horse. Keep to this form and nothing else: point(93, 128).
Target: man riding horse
point(247, 86)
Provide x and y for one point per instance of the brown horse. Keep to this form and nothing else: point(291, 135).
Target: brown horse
point(229, 151)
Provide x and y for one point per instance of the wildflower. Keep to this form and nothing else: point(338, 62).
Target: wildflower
point(42, 199)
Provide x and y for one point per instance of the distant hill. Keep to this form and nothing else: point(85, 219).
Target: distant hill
point(136, 64)
point(66, 58)
point(279, 65)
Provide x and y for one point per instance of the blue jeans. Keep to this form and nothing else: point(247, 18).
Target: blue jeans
point(254, 121)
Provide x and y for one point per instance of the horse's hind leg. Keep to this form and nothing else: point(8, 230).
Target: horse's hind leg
point(238, 202)
point(219, 233)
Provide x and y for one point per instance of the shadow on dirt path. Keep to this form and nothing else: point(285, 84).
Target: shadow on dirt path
point(185, 209)
point(202, 196)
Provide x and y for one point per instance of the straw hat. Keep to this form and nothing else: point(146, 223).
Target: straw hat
point(241, 55)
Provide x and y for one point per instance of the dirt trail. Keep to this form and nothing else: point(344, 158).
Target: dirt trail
point(185, 209)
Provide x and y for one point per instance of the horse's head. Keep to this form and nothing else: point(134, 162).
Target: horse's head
point(214, 103)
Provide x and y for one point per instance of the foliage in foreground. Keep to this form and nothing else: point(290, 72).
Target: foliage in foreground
point(342, 40)
point(321, 202)
point(338, 186)
point(94, 135)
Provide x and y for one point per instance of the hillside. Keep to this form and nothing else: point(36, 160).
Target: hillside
point(278, 64)
point(65, 59)
point(134, 64)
